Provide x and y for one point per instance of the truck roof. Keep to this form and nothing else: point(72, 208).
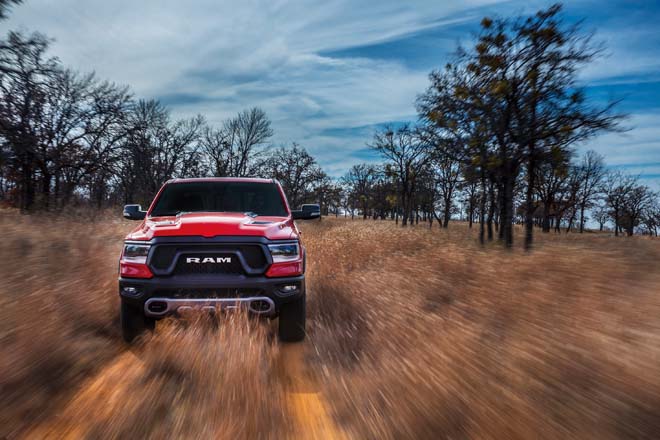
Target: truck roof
point(221, 179)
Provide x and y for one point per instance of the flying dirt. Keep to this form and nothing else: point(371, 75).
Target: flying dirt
point(412, 333)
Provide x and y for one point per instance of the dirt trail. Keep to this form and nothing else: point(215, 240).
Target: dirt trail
point(109, 389)
point(307, 408)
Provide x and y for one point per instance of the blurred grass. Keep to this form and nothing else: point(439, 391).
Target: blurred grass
point(412, 334)
point(425, 334)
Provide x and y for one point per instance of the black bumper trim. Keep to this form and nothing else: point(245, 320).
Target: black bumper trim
point(154, 287)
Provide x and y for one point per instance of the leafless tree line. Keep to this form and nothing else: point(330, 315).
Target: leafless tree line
point(569, 193)
point(68, 138)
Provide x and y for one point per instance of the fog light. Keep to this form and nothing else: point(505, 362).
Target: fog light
point(288, 288)
point(131, 291)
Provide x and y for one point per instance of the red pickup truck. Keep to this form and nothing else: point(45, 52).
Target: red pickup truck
point(214, 244)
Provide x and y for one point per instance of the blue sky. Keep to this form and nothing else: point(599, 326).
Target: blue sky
point(329, 73)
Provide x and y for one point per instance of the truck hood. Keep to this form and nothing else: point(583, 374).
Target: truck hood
point(213, 224)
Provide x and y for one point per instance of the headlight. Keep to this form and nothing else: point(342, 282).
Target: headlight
point(284, 252)
point(136, 253)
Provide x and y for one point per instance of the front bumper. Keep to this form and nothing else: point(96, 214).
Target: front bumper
point(207, 291)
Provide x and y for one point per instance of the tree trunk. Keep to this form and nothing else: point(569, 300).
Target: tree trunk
point(502, 210)
point(470, 213)
point(482, 210)
point(435, 214)
point(57, 190)
point(491, 210)
point(630, 228)
point(616, 222)
point(27, 184)
point(546, 217)
point(529, 205)
point(506, 218)
point(404, 206)
point(447, 212)
point(571, 219)
point(46, 180)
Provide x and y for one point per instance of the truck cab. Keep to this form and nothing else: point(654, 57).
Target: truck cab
point(214, 244)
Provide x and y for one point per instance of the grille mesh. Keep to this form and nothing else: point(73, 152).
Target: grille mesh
point(164, 255)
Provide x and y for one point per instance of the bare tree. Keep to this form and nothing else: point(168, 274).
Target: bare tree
point(617, 188)
point(157, 150)
point(552, 181)
point(601, 215)
point(23, 91)
point(359, 181)
point(297, 172)
point(216, 147)
point(471, 191)
point(408, 156)
point(592, 173)
point(447, 177)
point(79, 129)
point(651, 216)
point(245, 135)
point(636, 203)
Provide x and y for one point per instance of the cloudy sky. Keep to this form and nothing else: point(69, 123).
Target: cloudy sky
point(329, 73)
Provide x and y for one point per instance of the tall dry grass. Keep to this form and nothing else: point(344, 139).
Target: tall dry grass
point(64, 371)
point(57, 311)
point(412, 334)
point(424, 334)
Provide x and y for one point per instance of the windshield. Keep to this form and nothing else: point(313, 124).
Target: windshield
point(247, 197)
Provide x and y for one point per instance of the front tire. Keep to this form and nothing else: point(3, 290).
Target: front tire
point(133, 322)
point(292, 320)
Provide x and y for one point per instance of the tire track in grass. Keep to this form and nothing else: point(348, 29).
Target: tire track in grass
point(306, 406)
point(103, 395)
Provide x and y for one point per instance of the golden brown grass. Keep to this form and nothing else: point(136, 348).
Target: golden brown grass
point(412, 334)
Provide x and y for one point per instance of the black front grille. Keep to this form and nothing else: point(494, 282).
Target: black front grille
point(191, 293)
point(204, 264)
point(164, 254)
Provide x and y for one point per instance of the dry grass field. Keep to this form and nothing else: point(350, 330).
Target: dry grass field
point(413, 333)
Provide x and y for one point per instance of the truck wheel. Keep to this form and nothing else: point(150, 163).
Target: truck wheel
point(292, 320)
point(133, 322)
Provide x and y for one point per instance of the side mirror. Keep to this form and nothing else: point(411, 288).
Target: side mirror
point(134, 212)
point(305, 215)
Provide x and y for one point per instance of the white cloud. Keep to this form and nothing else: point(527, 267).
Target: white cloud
point(638, 145)
point(226, 56)
point(234, 55)
point(636, 151)
point(153, 44)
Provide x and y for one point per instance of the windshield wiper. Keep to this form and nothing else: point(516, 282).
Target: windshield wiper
point(251, 214)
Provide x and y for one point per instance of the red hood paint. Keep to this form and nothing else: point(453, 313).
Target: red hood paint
point(212, 224)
